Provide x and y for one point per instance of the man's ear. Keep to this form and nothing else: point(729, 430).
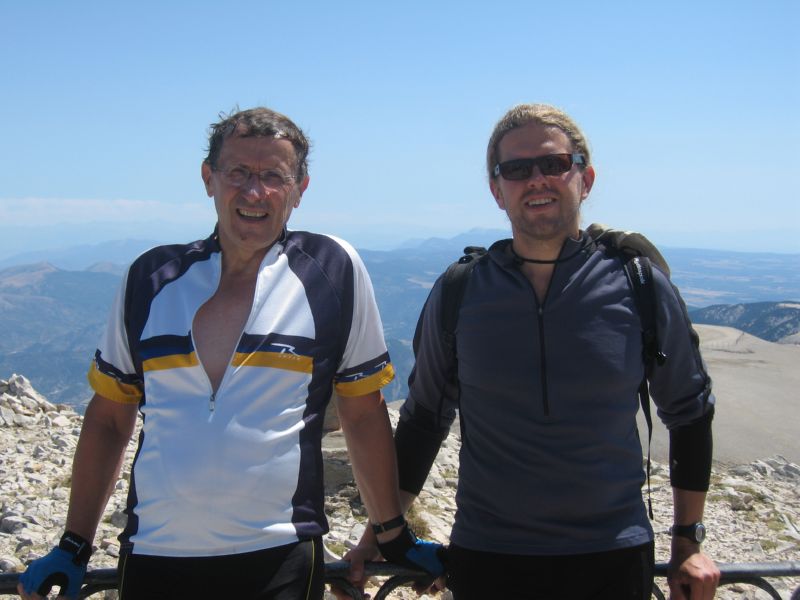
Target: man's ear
point(497, 193)
point(304, 184)
point(205, 173)
point(301, 188)
point(588, 181)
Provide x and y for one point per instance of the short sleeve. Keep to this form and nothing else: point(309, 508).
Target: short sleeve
point(365, 365)
point(112, 372)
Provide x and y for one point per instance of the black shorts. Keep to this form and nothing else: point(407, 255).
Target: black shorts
point(291, 572)
point(625, 574)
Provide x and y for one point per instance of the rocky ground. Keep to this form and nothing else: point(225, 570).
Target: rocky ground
point(753, 512)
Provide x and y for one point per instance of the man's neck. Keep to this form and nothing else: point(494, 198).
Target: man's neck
point(242, 263)
point(538, 249)
point(528, 252)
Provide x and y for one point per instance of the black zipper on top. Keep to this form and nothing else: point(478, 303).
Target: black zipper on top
point(543, 361)
point(540, 315)
point(543, 357)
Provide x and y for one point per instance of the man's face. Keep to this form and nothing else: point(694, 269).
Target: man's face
point(541, 208)
point(252, 214)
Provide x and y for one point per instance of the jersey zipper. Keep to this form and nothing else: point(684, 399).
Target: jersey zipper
point(212, 399)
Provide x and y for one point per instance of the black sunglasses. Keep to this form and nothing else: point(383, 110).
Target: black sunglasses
point(550, 164)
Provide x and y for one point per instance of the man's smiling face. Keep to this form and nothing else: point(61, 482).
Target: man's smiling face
point(252, 215)
point(541, 207)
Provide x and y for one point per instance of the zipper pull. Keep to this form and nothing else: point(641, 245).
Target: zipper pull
point(211, 400)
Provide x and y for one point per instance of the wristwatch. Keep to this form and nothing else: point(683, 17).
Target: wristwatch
point(695, 532)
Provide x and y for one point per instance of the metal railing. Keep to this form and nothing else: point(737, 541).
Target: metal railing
point(754, 574)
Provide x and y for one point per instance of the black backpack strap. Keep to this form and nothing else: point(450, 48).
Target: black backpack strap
point(454, 282)
point(453, 286)
point(638, 254)
point(640, 274)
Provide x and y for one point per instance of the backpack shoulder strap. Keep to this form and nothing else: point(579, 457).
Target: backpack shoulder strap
point(453, 286)
point(454, 282)
point(640, 276)
point(631, 243)
point(638, 254)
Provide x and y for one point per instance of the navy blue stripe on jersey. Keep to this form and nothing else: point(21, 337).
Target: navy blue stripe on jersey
point(332, 315)
point(111, 371)
point(165, 345)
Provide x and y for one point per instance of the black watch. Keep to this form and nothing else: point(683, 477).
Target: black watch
point(695, 532)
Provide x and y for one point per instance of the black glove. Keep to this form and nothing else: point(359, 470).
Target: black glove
point(410, 551)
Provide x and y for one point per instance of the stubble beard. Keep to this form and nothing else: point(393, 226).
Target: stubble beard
point(546, 229)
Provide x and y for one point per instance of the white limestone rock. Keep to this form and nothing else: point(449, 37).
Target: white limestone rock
point(752, 513)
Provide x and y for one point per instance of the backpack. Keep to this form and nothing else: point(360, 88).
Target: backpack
point(637, 254)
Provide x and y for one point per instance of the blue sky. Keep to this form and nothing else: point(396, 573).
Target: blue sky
point(690, 109)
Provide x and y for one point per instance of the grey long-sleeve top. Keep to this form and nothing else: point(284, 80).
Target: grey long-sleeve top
point(551, 461)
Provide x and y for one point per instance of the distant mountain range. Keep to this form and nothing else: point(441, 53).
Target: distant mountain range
point(115, 255)
point(51, 320)
point(771, 321)
point(52, 313)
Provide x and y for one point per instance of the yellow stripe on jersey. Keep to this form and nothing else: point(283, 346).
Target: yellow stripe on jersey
point(171, 361)
point(112, 388)
point(367, 385)
point(276, 360)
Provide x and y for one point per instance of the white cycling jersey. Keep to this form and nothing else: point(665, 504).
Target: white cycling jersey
point(239, 470)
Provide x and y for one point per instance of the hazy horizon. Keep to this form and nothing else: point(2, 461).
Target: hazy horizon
point(66, 243)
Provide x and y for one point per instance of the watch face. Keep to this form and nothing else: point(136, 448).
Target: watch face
point(699, 532)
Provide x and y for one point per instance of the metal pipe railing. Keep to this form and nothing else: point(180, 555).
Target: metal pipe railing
point(754, 573)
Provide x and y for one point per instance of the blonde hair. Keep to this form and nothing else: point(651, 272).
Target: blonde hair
point(542, 114)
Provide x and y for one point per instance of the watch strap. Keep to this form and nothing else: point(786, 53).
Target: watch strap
point(695, 532)
point(398, 521)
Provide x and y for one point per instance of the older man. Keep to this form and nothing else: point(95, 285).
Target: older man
point(230, 348)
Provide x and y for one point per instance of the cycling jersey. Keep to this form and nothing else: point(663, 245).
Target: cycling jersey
point(239, 469)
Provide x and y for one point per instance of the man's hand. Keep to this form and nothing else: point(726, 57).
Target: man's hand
point(365, 551)
point(64, 566)
point(408, 550)
point(692, 575)
point(405, 549)
point(58, 567)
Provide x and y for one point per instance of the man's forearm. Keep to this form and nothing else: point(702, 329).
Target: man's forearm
point(369, 441)
point(688, 506)
point(98, 458)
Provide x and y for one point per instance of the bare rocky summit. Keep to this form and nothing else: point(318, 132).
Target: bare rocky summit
point(753, 512)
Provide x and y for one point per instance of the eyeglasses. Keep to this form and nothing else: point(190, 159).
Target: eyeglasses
point(550, 164)
point(270, 178)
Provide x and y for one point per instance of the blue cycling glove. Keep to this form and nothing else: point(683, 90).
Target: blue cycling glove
point(64, 566)
point(410, 551)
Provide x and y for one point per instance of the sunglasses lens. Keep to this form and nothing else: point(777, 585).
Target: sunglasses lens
point(554, 164)
point(515, 170)
point(522, 168)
